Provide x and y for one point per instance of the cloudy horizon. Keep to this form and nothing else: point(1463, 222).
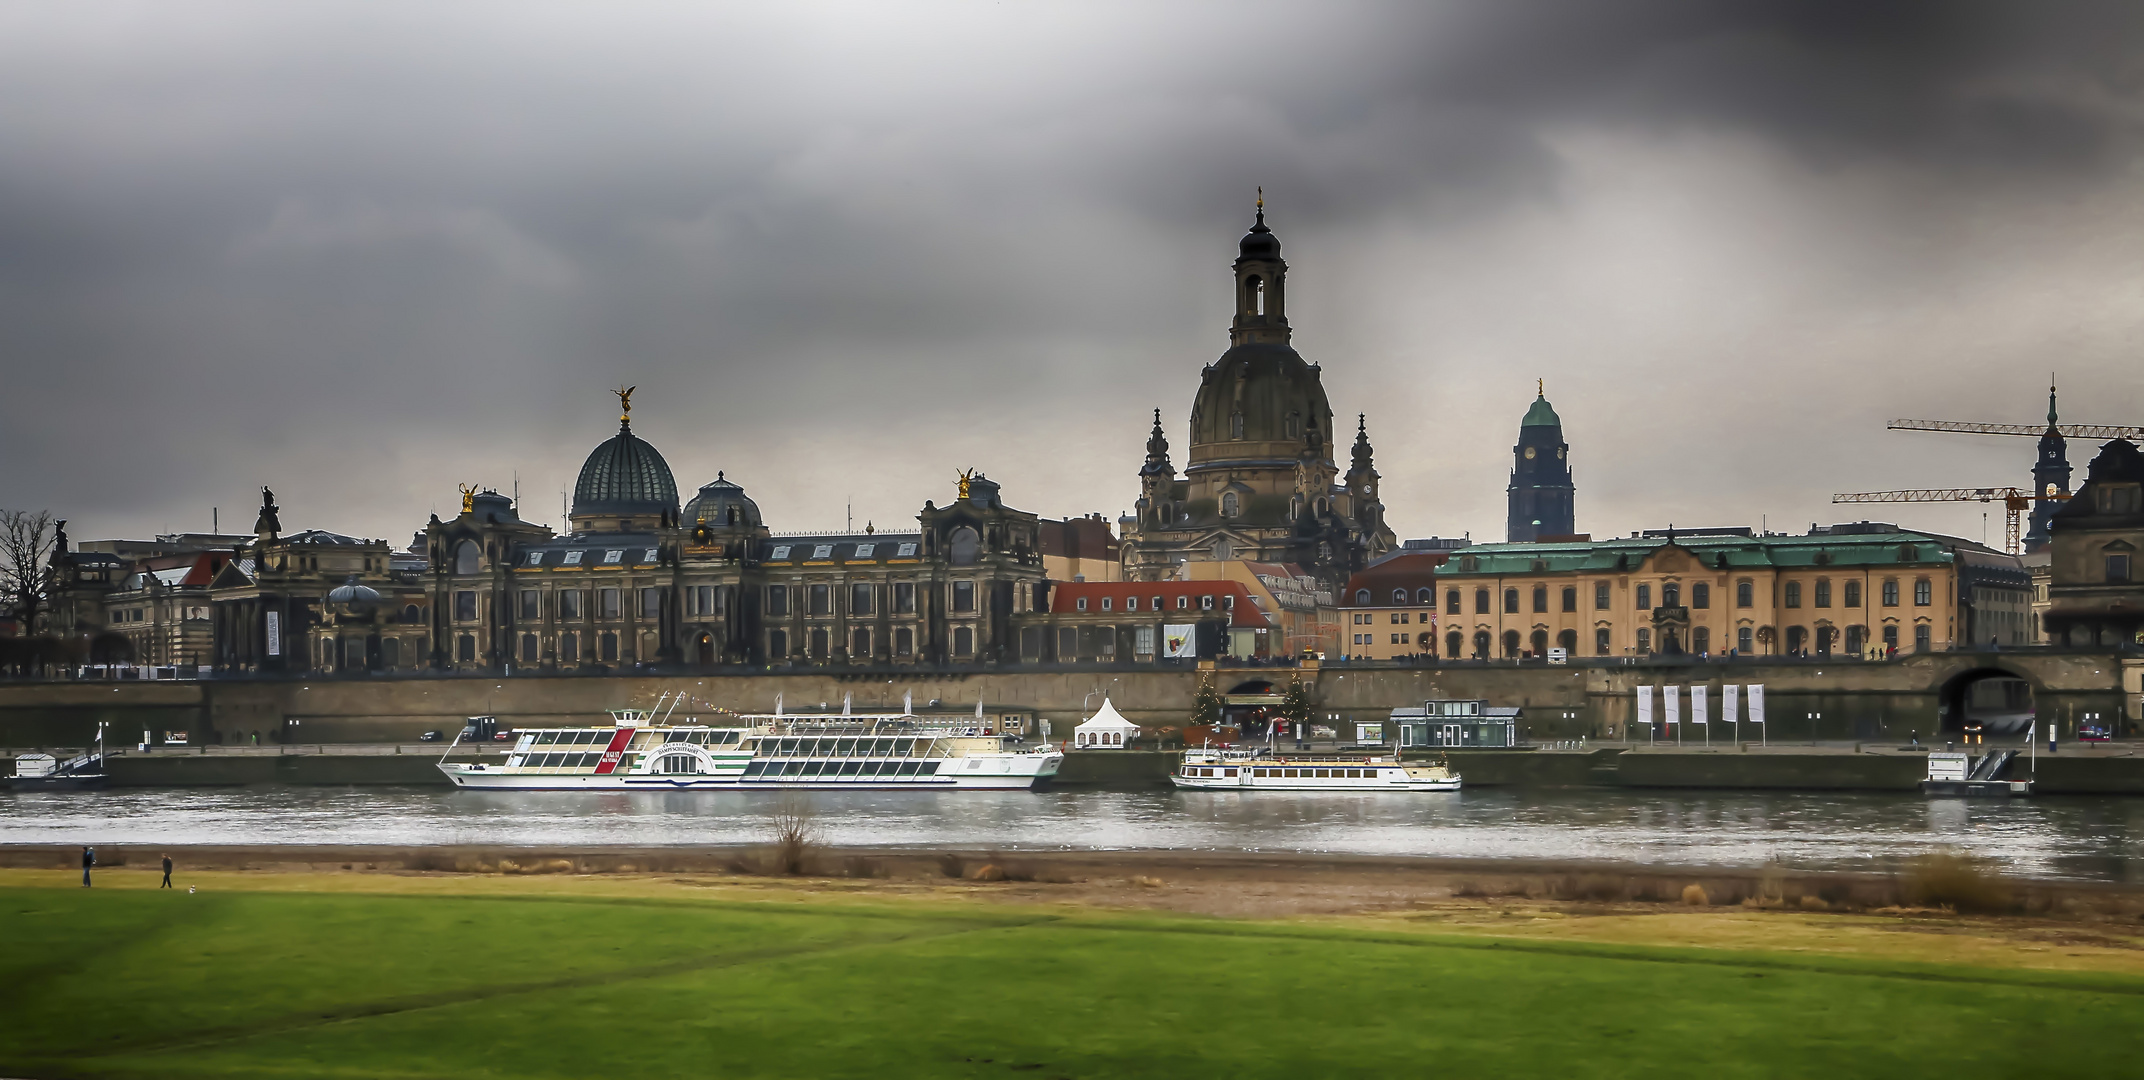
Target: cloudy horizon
point(363, 254)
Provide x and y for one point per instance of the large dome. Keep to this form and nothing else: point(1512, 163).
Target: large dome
point(1278, 397)
point(625, 476)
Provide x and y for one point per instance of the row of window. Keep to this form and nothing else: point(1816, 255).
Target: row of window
point(571, 604)
point(927, 767)
point(1670, 596)
point(1798, 640)
point(818, 640)
point(863, 598)
point(1183, 603)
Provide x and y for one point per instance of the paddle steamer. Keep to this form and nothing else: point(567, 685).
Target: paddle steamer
point(636, 751)
point(1259, 769)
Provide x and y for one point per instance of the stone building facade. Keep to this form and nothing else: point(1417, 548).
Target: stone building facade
point(1839, 591)
point(641, 581)
point(2095, 592)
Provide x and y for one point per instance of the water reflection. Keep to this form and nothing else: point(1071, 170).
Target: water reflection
point(2059, 837)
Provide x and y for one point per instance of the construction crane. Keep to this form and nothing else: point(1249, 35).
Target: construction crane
point(2072, 431)
point(2014, 502)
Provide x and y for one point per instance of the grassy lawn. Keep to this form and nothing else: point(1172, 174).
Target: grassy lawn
point(551, 981)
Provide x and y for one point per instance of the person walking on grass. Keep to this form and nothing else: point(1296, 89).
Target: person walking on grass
point(167, 872)
point(89, 859)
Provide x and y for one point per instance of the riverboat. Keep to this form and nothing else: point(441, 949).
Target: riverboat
point(637, 751)
point(1260, 769)
point(43, 772)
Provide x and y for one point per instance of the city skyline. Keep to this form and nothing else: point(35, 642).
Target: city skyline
point(365, 257)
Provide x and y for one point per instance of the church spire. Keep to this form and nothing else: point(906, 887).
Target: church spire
point(1362, 441)
point(1157, 452)
point(2050, 402)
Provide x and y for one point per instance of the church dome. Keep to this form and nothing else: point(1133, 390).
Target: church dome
point(352, 593)
point(625, 476)
point(1260, 243)
point(714, 504)
point(1260, 400)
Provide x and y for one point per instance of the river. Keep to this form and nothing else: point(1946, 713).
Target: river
point(2074, 838)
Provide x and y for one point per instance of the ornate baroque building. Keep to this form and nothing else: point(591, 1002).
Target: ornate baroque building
point(640, 581)
point(1260, 481)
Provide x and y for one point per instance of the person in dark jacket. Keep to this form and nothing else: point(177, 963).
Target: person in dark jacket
point(167, 873)
point(89, 859)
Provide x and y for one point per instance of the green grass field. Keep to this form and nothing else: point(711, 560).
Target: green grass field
point(134, 983)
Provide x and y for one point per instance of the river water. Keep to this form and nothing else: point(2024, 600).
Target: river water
point(2078, 838)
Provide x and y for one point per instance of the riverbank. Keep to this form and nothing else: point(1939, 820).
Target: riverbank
point(663, 971)
point(2077, 769)
point(1232, 884)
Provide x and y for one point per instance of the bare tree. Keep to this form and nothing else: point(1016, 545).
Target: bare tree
point(25, 545)
point(796, 833)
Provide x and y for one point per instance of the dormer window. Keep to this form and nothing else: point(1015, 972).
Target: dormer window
point(573, 558)
point(1131, 603)
point(905, 551)
point(1105, 603)
point(781, 551)
point(1229, 504)
point(1080, 604)
point(863, 551)
point(822, 551)
point(1205, 603)
point(535, 558)
point(649, 555)
point(614, 556)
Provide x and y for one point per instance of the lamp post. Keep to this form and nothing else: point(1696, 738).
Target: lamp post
point(1813, 718)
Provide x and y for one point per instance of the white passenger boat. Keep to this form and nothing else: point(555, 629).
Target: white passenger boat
point(1259, 769)
point(833, 751)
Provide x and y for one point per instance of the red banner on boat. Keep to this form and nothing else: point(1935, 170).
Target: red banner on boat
point(615, 752)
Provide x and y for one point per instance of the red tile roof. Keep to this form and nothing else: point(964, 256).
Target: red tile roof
point(1136, 598)
point(1412, 572)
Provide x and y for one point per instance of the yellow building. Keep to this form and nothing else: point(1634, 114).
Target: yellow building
point(1852, 590)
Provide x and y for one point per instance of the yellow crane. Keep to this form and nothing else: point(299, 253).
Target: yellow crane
point(2015, 502)
point(2068, 431)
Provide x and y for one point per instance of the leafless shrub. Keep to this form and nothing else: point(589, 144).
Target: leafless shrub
point(856, 866)
point(1469, 890)
point(1958, 882)
point(952, 866)
point(1693, 895)
point(796, 833)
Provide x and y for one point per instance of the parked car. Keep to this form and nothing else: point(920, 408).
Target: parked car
point(431, 736)
point(2093, 733)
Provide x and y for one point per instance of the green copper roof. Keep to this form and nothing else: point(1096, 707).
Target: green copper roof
point(1542, 414)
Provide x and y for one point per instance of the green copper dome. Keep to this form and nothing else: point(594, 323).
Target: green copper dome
point(1541, 414)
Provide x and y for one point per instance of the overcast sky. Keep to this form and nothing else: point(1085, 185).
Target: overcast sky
point(365, 252)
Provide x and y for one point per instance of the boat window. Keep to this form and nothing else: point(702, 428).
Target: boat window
point(812, 768)
point(1228, 772)
point(848, 768)
point(845, 748)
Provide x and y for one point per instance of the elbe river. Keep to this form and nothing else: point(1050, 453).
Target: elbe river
point(2061, 837)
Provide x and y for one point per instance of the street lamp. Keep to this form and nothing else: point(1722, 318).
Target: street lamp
point(1813, 718)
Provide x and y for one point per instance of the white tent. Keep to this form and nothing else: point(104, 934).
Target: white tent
point(1105, 730)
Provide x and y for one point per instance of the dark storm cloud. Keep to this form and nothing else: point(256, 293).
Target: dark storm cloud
point(365, 253)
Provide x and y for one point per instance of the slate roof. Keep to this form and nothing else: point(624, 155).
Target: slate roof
point(1714, 552)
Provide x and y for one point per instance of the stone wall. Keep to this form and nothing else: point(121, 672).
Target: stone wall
point(1890, 701)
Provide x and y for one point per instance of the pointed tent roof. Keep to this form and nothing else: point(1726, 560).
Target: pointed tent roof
point(1107, 718)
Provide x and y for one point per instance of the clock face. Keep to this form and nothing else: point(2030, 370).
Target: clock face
point(2050, 489)
point(1559, 453)
point(1529, 453)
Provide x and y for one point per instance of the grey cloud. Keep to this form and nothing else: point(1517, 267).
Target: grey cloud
point(366, 253)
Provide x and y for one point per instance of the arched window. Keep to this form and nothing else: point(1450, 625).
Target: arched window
point(1511, 601)
point(1425, 596)
point(1399, 596)
point(1481, 644)
point(1700, 639)
point(1362, 596)
point(965, 546)
point(1794, 594)
point(1670, 595)
point(1223, 550)
point(1701, 596)
point(1254, 295)
point(1511, 643)
point(1228, 504)
point(1567, 640)
point(1455, 644)
point(1235, 425)
point(1823, 592)
point(1540, 598)
point(1481, 601)
point(410, 614)
point(1601, 646)
point(468, 558)
point(1540, 643)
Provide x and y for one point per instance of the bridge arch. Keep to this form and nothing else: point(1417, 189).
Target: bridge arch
point(2000, 699)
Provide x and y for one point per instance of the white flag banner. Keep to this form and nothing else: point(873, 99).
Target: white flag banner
point(1730, 699)
point(1756, 703)
point(1698, 704)
point(275, 633)
point(1645, 706)
point(1180, 640)
point(1671, 704)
